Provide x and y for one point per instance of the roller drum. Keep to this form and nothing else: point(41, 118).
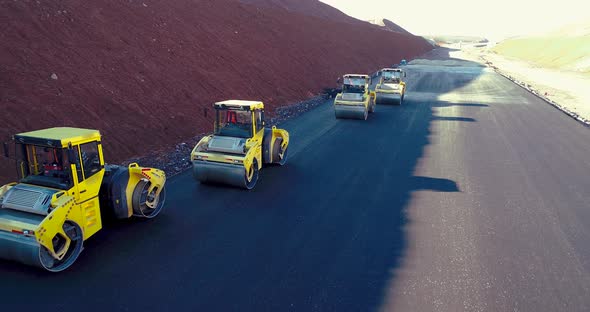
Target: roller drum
point(213, 172)
point(146, 204)
point(351, 112)
point(26, 249)
point(20, 248)
point(388, 98)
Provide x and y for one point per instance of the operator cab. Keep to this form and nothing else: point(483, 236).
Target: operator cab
point(44, 166)
point(238, 119)
point(392, 75)
point(355, 84)
point(45, 157)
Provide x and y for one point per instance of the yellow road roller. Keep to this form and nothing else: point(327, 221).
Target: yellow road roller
point(391, 88)
point(239, 146)
point(355, 101)
point(65, 191)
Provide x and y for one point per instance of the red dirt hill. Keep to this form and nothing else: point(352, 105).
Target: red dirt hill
point(394, 27)
point(143, 71)
point(308, 7)
point(389, 25)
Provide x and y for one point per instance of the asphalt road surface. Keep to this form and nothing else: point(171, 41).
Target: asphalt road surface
point(473, 195)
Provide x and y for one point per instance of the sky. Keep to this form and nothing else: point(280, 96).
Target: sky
point(494, 19)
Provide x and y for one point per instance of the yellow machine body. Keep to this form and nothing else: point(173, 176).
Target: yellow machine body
point(391, 88)
point(240, 146)
point(356, 100)
point(64, 190)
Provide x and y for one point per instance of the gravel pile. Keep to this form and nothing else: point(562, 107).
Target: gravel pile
point(177, 160)
point(172, 161)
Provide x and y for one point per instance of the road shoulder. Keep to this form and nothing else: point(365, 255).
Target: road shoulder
point(566, 91)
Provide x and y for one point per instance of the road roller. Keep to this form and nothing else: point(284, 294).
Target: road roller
point(356, 100)
point(391, 88)
point(239, 146)
point(64, 193)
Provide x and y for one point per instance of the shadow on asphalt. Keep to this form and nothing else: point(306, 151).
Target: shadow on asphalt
point(433, 184)
point(326, 232)
point(446, 104)
point(465, 119)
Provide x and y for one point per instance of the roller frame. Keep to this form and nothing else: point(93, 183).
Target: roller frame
point(86, 212)
point(231, 168)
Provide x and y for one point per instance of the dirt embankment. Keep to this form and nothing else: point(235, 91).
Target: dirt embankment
point(389, 25)
point(570, 53)
point(307, 7)
point(144, 71)
point(555, 65)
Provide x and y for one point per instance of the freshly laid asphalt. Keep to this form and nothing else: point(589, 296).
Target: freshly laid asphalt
point(473, 195)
